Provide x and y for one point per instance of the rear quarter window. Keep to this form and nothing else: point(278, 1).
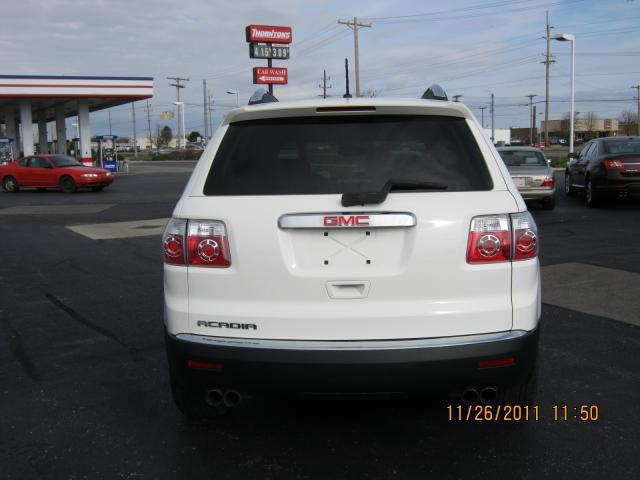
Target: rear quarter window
point(326, 155)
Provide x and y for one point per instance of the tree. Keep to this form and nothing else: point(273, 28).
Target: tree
point(165, 137)
point(194, 135)
point(590, 121)
point(628, 122)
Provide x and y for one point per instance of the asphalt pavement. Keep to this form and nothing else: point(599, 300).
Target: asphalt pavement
point(83, 377)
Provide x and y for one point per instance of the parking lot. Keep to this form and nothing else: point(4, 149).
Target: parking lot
point(84, 383)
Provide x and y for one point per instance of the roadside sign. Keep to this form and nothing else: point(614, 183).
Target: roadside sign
point(267, 50)
point(273, 76)
point(268, 33)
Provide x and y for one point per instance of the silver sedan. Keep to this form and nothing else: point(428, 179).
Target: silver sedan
point(531, 173)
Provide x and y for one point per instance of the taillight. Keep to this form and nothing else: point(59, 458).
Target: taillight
point(489, 239)
point(614, 164)
point(525, 236)
point(501, 238)
point(207, 244)
point(547, 182)
point(173, 242)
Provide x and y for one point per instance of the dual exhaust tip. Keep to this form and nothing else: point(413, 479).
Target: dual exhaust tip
point(486, 395)
point(228, 397)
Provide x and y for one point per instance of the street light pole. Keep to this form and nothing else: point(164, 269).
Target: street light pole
point(568, 37)
point(236, 93)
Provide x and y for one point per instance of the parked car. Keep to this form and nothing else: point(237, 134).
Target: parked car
point(53, 171)
point(532, 174)
point(605, 168)
point(394, 259)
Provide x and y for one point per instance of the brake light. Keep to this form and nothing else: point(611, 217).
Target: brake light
point(207, 244)
point(547, 182)
point(173, 243)
point(525, 236)
point(489, 239)
point(614, 164)
point(502, 238)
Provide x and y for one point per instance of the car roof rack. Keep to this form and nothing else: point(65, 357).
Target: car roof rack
point(262, 96)
point(435, 92)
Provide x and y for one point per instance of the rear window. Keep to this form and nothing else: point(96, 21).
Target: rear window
point(615, 147)
point(519, 158)
point(308, 155)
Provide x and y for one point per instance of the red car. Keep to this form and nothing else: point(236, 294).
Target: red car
point(53, 171)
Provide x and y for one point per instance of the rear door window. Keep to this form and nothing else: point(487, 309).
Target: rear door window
point(310, 155)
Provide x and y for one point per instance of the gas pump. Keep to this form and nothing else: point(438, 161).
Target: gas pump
point(6, 151)
point(107, 152)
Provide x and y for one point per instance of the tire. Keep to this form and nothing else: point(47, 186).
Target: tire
point(10, 185)
point(549, 203)
point(67, 185)
point(523, 393)
point(591, 194)
point(568, 188)
point(98, 189)
point(192, 404)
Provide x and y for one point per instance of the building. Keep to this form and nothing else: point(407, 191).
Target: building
point(50, 100)
point(585, 128)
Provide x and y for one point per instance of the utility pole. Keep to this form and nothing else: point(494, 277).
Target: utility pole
point(109, 112)
point(354, 25)
point(637, 87)
point(147, 109)
point(547, 62)
point(482, 109)
point(323, 85)
point(210, 106)
point(456, 98)
point(206, 109)
point(493, 130)
point(530, 97)
point(533, 122)
point(178, 86)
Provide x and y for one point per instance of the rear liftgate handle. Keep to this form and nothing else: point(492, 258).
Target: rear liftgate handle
point(345, 290)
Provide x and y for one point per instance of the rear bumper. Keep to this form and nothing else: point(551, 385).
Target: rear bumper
point(537, 193)
point(626, 187)
point(255, 366)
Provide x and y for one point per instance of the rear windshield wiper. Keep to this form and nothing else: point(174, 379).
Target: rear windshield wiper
point(350, 199)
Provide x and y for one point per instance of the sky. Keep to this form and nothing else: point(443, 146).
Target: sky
point(470, 47)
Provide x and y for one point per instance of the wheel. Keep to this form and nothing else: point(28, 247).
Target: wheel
point(523, 393)
point(568, 188)
point(192, 403)
point(593, 197)
point(67, 185)
point(10, 185)
point(98, 189)
point(549, 203)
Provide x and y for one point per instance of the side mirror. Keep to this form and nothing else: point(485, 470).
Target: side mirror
point(548, 162)
point(573, 155)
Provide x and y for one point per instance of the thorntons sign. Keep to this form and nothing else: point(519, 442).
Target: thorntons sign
point(269, 34)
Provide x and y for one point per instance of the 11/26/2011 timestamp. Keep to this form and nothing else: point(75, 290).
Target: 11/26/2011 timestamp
point(522, 413)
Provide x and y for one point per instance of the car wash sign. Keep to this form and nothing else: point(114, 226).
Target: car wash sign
point(269, 42)
point(270, 76)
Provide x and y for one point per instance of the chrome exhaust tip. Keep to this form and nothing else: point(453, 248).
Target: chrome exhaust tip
point(214, 397)
point(489, 395)
point(470, 396)
point(231, 398)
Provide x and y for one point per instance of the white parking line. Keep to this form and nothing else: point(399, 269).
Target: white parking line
point(56, 209)
point(109, 231)
point(605, 292)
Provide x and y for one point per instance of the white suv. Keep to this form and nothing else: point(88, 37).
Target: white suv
point(350, 246)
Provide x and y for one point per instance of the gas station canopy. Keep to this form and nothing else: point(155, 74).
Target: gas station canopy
point(28, 98)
